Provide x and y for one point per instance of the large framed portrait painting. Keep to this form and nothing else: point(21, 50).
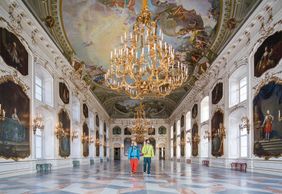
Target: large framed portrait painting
point(268, 54)
point(217, 93)
point(85, 141)
point(217, 133)
point(267, 119)
point(13, 52)
point(14, 122)
point(64, 93)
point(195, 140)
point(64, 141)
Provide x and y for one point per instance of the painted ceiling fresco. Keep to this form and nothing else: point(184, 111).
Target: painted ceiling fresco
point(87, 30)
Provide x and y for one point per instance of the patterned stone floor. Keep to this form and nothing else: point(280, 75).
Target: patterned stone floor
point(167, 177)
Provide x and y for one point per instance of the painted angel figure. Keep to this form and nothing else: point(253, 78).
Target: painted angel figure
point(267, 124)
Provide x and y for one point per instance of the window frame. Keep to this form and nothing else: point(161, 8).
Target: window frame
point(241, 87)
point(235, 86)
point(40, 86)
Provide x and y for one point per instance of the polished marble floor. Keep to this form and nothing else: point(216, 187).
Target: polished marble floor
point(167, 177)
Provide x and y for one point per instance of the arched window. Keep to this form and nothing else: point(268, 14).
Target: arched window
point(116, 130)
point(205, 109)
point(127, 131)
point(238, 86)
point(151, 131)
point(43, 85)
point(162, 130)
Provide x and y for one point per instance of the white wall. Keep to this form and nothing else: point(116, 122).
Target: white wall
point(161, 140)
point(45, 60)
point(238, 55)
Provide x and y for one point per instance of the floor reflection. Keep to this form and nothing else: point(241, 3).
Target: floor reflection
point(167, 177)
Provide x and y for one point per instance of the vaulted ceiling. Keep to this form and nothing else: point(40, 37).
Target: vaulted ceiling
point(87, 30)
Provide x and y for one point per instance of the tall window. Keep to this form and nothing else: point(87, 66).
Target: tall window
point(234, 93)
point(43, 86)
point(243, 143)
point(188, 120)
point(243, 89)
point(38, 89)
point(178, 127)
point(238, 86)
point(205, 109)
point(38, 143)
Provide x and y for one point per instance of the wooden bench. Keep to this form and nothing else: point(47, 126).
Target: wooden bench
point(206, 163)
point(240, 166)
point(45, 167)
point(188, 161)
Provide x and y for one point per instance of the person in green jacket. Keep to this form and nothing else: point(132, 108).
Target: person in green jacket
point(148, 153)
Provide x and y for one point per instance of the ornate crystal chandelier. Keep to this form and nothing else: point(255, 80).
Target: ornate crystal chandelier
point(140, 123)
point(145, 65)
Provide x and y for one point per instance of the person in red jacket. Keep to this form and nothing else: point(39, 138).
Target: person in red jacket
point(134, 156)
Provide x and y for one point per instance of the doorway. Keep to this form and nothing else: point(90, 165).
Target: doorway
point(116, 153)
point(161, 153)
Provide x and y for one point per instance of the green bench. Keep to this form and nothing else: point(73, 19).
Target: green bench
point(75, 163)
point(45, 167)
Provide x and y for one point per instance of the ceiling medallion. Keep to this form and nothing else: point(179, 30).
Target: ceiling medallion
point(145, 65)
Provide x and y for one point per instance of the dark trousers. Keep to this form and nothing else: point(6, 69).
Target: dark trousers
point(147, 161)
